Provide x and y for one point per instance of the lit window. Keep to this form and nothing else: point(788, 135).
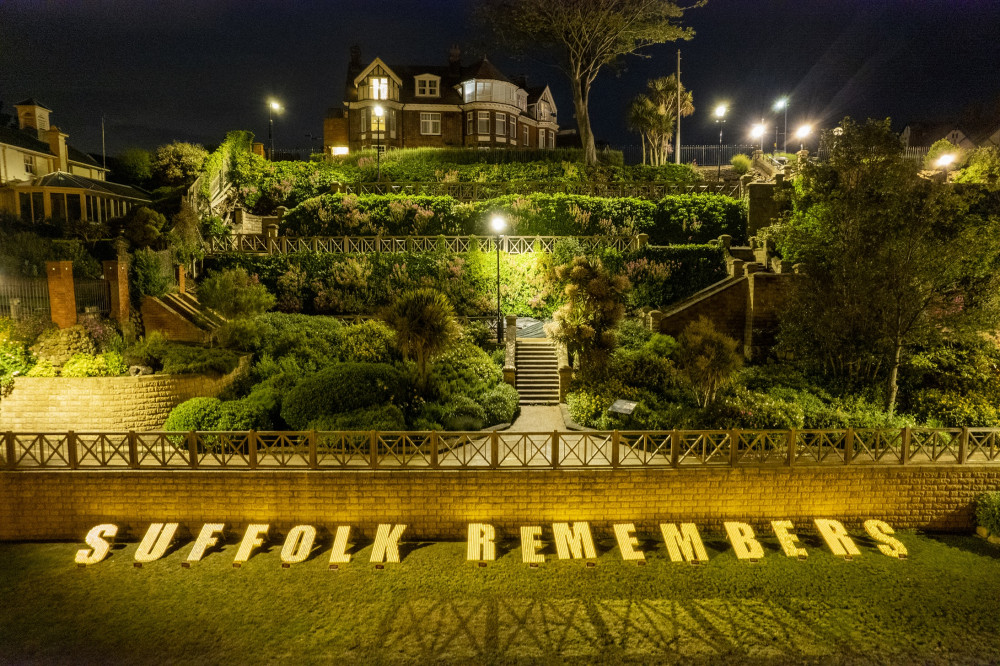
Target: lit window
point(484, 122)
point(484, 91)
point(501, 124)
point(29, 165)
point(377, 124)
point(470, 90)
point(430, 123)
point(379, 87)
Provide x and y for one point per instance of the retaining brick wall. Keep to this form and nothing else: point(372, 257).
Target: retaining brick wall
point(88, 404)
point(440, 504)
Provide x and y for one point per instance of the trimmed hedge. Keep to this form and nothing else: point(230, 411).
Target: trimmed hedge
point(342, 388)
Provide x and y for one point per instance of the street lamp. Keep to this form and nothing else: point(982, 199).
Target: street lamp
point(379, 112)
point(944, 162)
point(498, 224)
point(781, 105)
point(801, 133)
point(273, 106)
point(758, 133)
point(720, 117)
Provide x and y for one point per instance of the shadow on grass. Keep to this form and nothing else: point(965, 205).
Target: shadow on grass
point(968, 543)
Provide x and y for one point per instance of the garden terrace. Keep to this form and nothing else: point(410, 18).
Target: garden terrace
point(468, 192)
point(314, 450)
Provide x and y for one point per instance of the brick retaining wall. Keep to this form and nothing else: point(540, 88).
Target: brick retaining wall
point(84, 404)
point(439, 504)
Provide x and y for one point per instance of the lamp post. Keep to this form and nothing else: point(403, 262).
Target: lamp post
point(801, 133)
point(758, 133)
point(379, 112)
point(272, 107)
point(720, 118)
point(498, 225)
point(944, 162)
point(782, 105)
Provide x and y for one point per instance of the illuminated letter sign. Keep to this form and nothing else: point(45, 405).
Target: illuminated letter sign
point(481, 544)
point(742, 537)
point(96, 540)
point(206, 539)
point(836, 537)
point(251, 540)
point(888, 545)
point(787, 540)
point(386, 548)
point(156, 542)
point(339, 554)
point(298, 544)
point(627, 543)
point(573, 543)
point(683, 544)
point(531, 543)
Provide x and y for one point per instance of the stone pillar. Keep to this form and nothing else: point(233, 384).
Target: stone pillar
point(654, 318)
point(116, 275)
point(641, 241)
point(62, 295)
point(181, 279)
point(735, 267)
point(726, 242)
point(272, 232)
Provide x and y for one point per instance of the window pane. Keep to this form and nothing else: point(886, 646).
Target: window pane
point(37, 199)
point(73, 207)
point(57, 202)
point(484, 122)
point(501, 124)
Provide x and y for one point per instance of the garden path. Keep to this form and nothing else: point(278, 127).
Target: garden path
point(538, 418)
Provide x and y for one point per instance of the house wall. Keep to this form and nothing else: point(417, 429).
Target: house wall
point(12, 159)
point(451, 130)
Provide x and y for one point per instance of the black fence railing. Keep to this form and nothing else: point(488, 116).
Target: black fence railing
point(22, 298)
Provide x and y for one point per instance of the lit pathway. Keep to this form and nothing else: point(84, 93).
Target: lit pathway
point(538, 418)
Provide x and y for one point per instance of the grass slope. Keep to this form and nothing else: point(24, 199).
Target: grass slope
point(938, 606)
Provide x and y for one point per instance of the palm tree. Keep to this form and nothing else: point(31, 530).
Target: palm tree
point(424, 322)
point(654, 115)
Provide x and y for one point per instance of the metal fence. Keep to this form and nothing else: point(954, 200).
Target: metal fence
point(477, 191)
point(498, 450)
point(93, 296)
point(262, 244)
point(21, 298)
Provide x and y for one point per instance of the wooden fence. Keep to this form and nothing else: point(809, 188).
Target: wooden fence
point(263, 244)
point(371, 450)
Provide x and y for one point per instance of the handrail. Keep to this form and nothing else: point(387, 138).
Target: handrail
point(367, 450)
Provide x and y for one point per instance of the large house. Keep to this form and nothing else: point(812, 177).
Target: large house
point(474, 106)
point(42, 176)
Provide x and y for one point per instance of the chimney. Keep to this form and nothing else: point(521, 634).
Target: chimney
point(355, 56)
point(57, 144)
point(455, 59)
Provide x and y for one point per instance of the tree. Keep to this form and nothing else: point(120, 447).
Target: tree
point(944, 147)
point(586, 36)
point(141, 226)
point(425, 326)
point(178, 163)
point(594, 305)
point(185, 236)
point(654, 115)
point(134, 166)
point(983, 168)
point(707, 359)
point(235, 293)
point(893, 261)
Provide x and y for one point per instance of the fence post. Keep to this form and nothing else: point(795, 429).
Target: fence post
point(963, 446)
point(615, 449)
point(373, 449)
point(434, 449)
point(555, 449)
point(495, 449)
point(252, 445)
point(133, 450)
point(8, 438)
point(791, 447)
point(734, 447)
point(71, 453)
point(904, 446)
point(313, 456)
point(675, 447)
point(849, 446)
point(192, 446)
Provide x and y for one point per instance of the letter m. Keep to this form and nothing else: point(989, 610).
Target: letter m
point(684, 543)
point(574, 542)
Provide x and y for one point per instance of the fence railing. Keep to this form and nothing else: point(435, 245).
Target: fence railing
point(498, 450)
point(93, 296)
point(24, 297)
point(478, 191)
point(263, 244)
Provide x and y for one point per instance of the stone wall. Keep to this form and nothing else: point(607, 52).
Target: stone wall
point(724, 303)
point(88, 404)
point(157, 315)
point(440, 504)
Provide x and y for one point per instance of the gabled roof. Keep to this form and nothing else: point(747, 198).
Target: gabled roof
point(377, 62)
point(22, 139)
point(63, 179)
point(31, 101)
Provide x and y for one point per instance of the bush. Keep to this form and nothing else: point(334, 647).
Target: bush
point(108, 364)
point(377, 417)
point(741, 164)
point(147, 351)
point(15, 360)
point(951, 409)
point(195, 414)
point(234, 293)
point(179, 359)
point(150, 276)
point(463, 413)
point(342, 388)
point(367, 342)
point(464, 370)
point(707, 358)
point(313, 342)
point(245, 414)
point(988, 512)
point(698, 218)
point(500, 405)
point(59, 345)
point(43, 369)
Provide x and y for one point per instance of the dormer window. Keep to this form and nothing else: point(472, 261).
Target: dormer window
point(428, 86)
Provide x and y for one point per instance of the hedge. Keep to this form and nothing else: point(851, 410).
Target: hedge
point(342, 388)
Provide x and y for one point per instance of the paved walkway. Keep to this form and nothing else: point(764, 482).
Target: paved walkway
point(539, 418)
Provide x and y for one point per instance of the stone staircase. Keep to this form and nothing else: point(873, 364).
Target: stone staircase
point(537, 379)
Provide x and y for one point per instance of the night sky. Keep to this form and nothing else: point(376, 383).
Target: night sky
point(160, 70)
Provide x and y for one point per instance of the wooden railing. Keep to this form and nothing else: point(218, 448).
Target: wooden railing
point(263, 244)
point(478, 191)
point(312, 450)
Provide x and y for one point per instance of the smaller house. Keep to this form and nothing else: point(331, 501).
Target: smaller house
point(42, 176)
point(922, 135)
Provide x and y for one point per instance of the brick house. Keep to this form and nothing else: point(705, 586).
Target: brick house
point(438, 106)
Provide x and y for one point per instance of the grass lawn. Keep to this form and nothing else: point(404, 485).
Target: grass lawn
point(942, 605)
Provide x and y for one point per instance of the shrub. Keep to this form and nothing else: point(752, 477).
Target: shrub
point(741, 164)
point(988, 512)
point(313, 342)
point(746, 409)
point(500, 405)
point(234, 293)
point(108, 364)
point(195, 414)
point(342, 388)
point(707, 358)
point(179, 359)
point(43, 369)
point(150, 277)
point(698, 218)
point(15, 360)
point(245, 414)
point(147, 351)
point(633, 334)
point(367, 342)
point(463, 413)
point(424, 323)
point(951, 409)
point(59, 345)
point(466, 370)
point(377, 417)
point(105, 333)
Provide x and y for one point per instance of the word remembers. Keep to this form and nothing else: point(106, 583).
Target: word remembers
point(572, 541)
